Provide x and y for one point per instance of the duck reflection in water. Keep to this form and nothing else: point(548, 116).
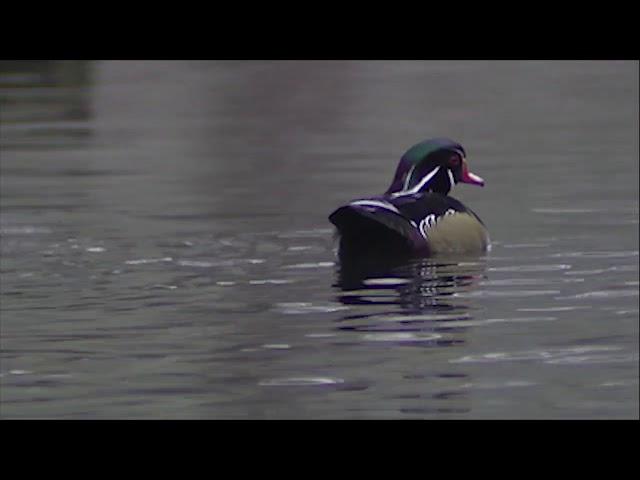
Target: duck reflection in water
point(408, 303)
point(407, 295)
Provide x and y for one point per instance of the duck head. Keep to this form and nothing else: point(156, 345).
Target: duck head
point(433, 165)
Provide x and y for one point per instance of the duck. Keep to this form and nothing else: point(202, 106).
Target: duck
point(415, 217)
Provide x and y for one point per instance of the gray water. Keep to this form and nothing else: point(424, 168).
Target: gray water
point(165, 249)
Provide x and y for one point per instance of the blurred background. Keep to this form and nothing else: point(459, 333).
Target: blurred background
point(165, 249)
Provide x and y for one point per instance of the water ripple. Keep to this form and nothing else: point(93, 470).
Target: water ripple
point(142, 261)
point(551, 309)
point(502, 294)
point(270, 281)
point(531, 268)
point(488, 321)
point(302, 308)
point(526, 245)
point(596, 254)
point(507, 282)
point(563, 211)
point(590, 359)
point(310, 265)
point(448, 318)
point(401, 337)
point(603, 294)
point(220, 263)
point(300, 382)
point(572, 355)
point(26, 230)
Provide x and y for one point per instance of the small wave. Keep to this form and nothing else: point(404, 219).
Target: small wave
point(531, 268)
point(546, 356)
point(526, 245)
point(310, 265)
point(301, 308)
point(300, 381)
point(220, 263)
point(26, 230)
point(401, 337)
point(596, 254)
point(604, 294)
point(446, 318)
point(299, 248)
point(551, 309)
point(505, 294)
point(563, 211)
point(318, 232)
point(488, 321)
point(270, 281)
point(142, 261)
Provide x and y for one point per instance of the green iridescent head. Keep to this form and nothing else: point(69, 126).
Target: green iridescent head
point(436, 164)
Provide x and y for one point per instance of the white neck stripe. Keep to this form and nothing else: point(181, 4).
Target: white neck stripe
point(406, 180)
point(451, 180)
point(376, 203)
point(417, 188)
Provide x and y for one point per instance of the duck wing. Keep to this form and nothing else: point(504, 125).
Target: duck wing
point(375, 223)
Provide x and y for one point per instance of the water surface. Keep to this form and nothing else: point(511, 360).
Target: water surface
point(165, 249)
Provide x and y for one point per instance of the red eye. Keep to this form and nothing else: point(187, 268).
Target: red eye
point(454, 161)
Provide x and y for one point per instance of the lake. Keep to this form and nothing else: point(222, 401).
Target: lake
point(166, 253)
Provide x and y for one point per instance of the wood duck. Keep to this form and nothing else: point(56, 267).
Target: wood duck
point(415, 216)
